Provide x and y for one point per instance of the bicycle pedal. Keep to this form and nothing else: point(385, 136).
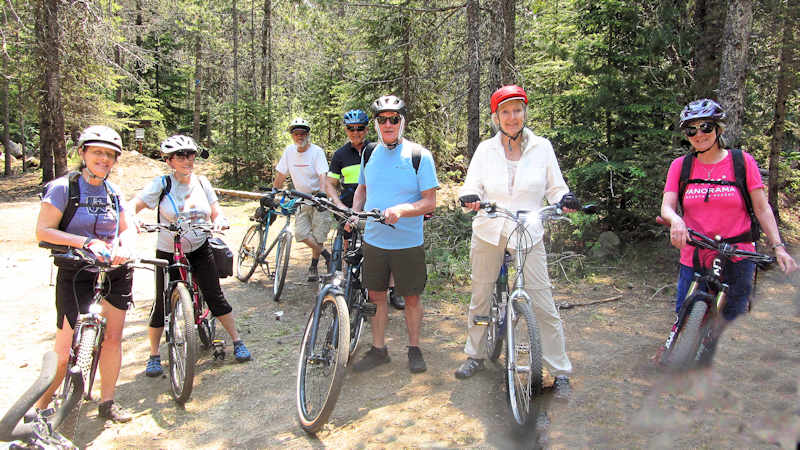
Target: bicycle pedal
point(481, 320)
point(219, 349)
point(369, 309)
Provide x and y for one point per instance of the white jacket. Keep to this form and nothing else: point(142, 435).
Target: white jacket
point(538, 177)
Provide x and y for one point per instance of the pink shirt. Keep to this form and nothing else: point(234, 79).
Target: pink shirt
point(724, 213)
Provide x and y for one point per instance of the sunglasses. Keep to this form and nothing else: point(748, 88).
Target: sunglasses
point(394, 120)
point(184, 155)
point(705, 127)
point(356, 128)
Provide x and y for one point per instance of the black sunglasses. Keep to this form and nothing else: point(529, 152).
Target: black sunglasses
point(183, 154)
point(705, 127)
point(394, 120)
point(356, 128)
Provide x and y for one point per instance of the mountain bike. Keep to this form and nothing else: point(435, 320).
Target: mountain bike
point(38, 429)
point(186, 315)
point(87, 338)
point(254, 250)
point(327, 342)
point(523, 351)
point(699, 322)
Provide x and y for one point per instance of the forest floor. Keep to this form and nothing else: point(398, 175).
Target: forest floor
point(620, 398)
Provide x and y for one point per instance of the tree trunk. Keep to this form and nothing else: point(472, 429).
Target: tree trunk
point(234, 138)
point(474, 64)
point(198, 86)
point(407, 63)
point(508, 64)
point(4, 94)
point(253, 79)
point(266, 54)
point(785, 86)
point(51, 119)
point(495, 44)
point(733, 70)
point(23, 142)
point(709, 18)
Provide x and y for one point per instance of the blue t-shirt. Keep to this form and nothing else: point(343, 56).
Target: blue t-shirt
point(96, 216)
point(391, 180)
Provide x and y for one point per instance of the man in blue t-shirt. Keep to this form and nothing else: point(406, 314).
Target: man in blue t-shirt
point(390, 183)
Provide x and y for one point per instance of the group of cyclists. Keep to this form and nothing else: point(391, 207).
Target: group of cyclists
point(515, 168)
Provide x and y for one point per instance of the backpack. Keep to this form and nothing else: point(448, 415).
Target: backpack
point(416, 155)
point(74, 199)
point(740, 182)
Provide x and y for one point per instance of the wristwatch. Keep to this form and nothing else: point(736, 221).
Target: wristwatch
point(779, 244)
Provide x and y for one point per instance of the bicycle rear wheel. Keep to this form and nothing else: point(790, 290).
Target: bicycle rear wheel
point(86, 356)
point(497, 320)
point(358, 298)
point(684, 346)
point(206, 328)
point(182, 344)
point(249, 251)
point(320, 369)
point(523, 364)
point(283, 247)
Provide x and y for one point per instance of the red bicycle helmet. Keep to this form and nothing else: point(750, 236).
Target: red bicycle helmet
point(506, 93)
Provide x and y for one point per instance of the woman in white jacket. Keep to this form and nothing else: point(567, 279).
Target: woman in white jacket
point(517, 170)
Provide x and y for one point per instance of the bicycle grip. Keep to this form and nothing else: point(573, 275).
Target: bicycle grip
point(301, 195)
point(468, 199)
point(54, 247)
point(155, 262)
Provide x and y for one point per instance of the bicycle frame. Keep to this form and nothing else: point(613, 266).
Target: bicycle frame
point(272, 216)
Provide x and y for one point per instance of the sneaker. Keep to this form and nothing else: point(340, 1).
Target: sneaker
point(153, 368)
point(469, 368)
point(373, 358)
point(111, 411)
point(562, 388)
point(395, 300)
point(415, 362)
point(240, 351)
point(312, 271)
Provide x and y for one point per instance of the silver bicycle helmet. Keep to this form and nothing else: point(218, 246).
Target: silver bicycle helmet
point(101, 136)
point(178, 143)
point(299, 122)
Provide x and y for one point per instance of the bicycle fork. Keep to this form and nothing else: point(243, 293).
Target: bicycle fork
point(322, 357)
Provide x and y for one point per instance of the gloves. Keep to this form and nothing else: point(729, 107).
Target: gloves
point(468, 199)
point(570, 201)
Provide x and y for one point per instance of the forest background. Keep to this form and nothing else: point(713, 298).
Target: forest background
point(606, 80)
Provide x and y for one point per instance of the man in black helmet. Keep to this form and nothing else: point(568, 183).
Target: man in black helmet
point(399, 178)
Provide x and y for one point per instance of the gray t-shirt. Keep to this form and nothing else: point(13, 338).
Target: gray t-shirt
point(96, 216)
point(194, 198)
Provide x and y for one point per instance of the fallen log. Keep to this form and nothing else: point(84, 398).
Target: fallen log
point(240, 194)
point(566, 305)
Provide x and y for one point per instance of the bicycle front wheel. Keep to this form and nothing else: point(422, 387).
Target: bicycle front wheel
point(320, 369)
point(523, 363)
point(249, 251)
point(283, 247)
point(687, 340)
point(497, 320)
point(182, 344)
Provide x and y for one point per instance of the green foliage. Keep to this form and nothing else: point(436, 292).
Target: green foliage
point(447, 244)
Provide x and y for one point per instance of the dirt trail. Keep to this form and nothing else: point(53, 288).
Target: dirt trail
point(620, 399)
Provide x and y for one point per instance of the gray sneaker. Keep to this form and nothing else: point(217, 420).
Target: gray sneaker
point(416, 364)
point(372, 359)
point(469, 368)
point(561, 388)
point(312, 272)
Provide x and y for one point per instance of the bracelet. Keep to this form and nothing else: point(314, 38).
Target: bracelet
point(779, 244)
point(86, 242)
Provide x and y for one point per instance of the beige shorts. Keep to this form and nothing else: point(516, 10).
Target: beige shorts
point(310, 222)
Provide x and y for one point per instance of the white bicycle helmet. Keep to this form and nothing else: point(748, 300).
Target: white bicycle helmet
point(101, 136)
point(177, 143)
point(299, 122)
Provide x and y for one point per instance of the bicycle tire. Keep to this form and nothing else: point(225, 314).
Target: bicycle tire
point(85, 356)
point(323, 363)
point(357, 298)
point(182, 344)
point(206, 328)
point(284, 247)
point(523, 374)
point(687, 340)
point(249, 251)
point(98, 349)
point(496, 328)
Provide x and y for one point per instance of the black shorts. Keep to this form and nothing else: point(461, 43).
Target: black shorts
point(117, 292)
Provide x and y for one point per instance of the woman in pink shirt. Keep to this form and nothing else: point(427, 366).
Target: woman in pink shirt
point(717, 209)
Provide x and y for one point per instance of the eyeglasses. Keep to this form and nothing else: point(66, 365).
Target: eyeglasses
point(299, 132)
point(356, 128)
point(705, 127)
point(184, 155)
point(394, 120)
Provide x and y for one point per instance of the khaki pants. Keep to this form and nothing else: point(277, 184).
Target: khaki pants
point(486, 260)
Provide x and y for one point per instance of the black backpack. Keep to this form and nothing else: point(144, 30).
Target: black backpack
point(416, 155)
point(740, 182)
point(74, 199)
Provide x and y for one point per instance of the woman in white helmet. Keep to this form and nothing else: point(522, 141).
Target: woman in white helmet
point(183, 191)
point(98, 224)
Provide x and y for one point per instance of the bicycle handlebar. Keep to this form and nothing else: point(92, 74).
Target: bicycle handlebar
point(67, 254)
point(322, 202)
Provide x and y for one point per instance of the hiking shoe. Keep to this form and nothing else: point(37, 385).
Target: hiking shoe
point(415, 362)
point(562, 389)
point(312, 271)
point(109, 410)
point(153, 368)
point(373, 358)
point(395, 300)
point(240, 351)
point(468, 369)
point(325, 254)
